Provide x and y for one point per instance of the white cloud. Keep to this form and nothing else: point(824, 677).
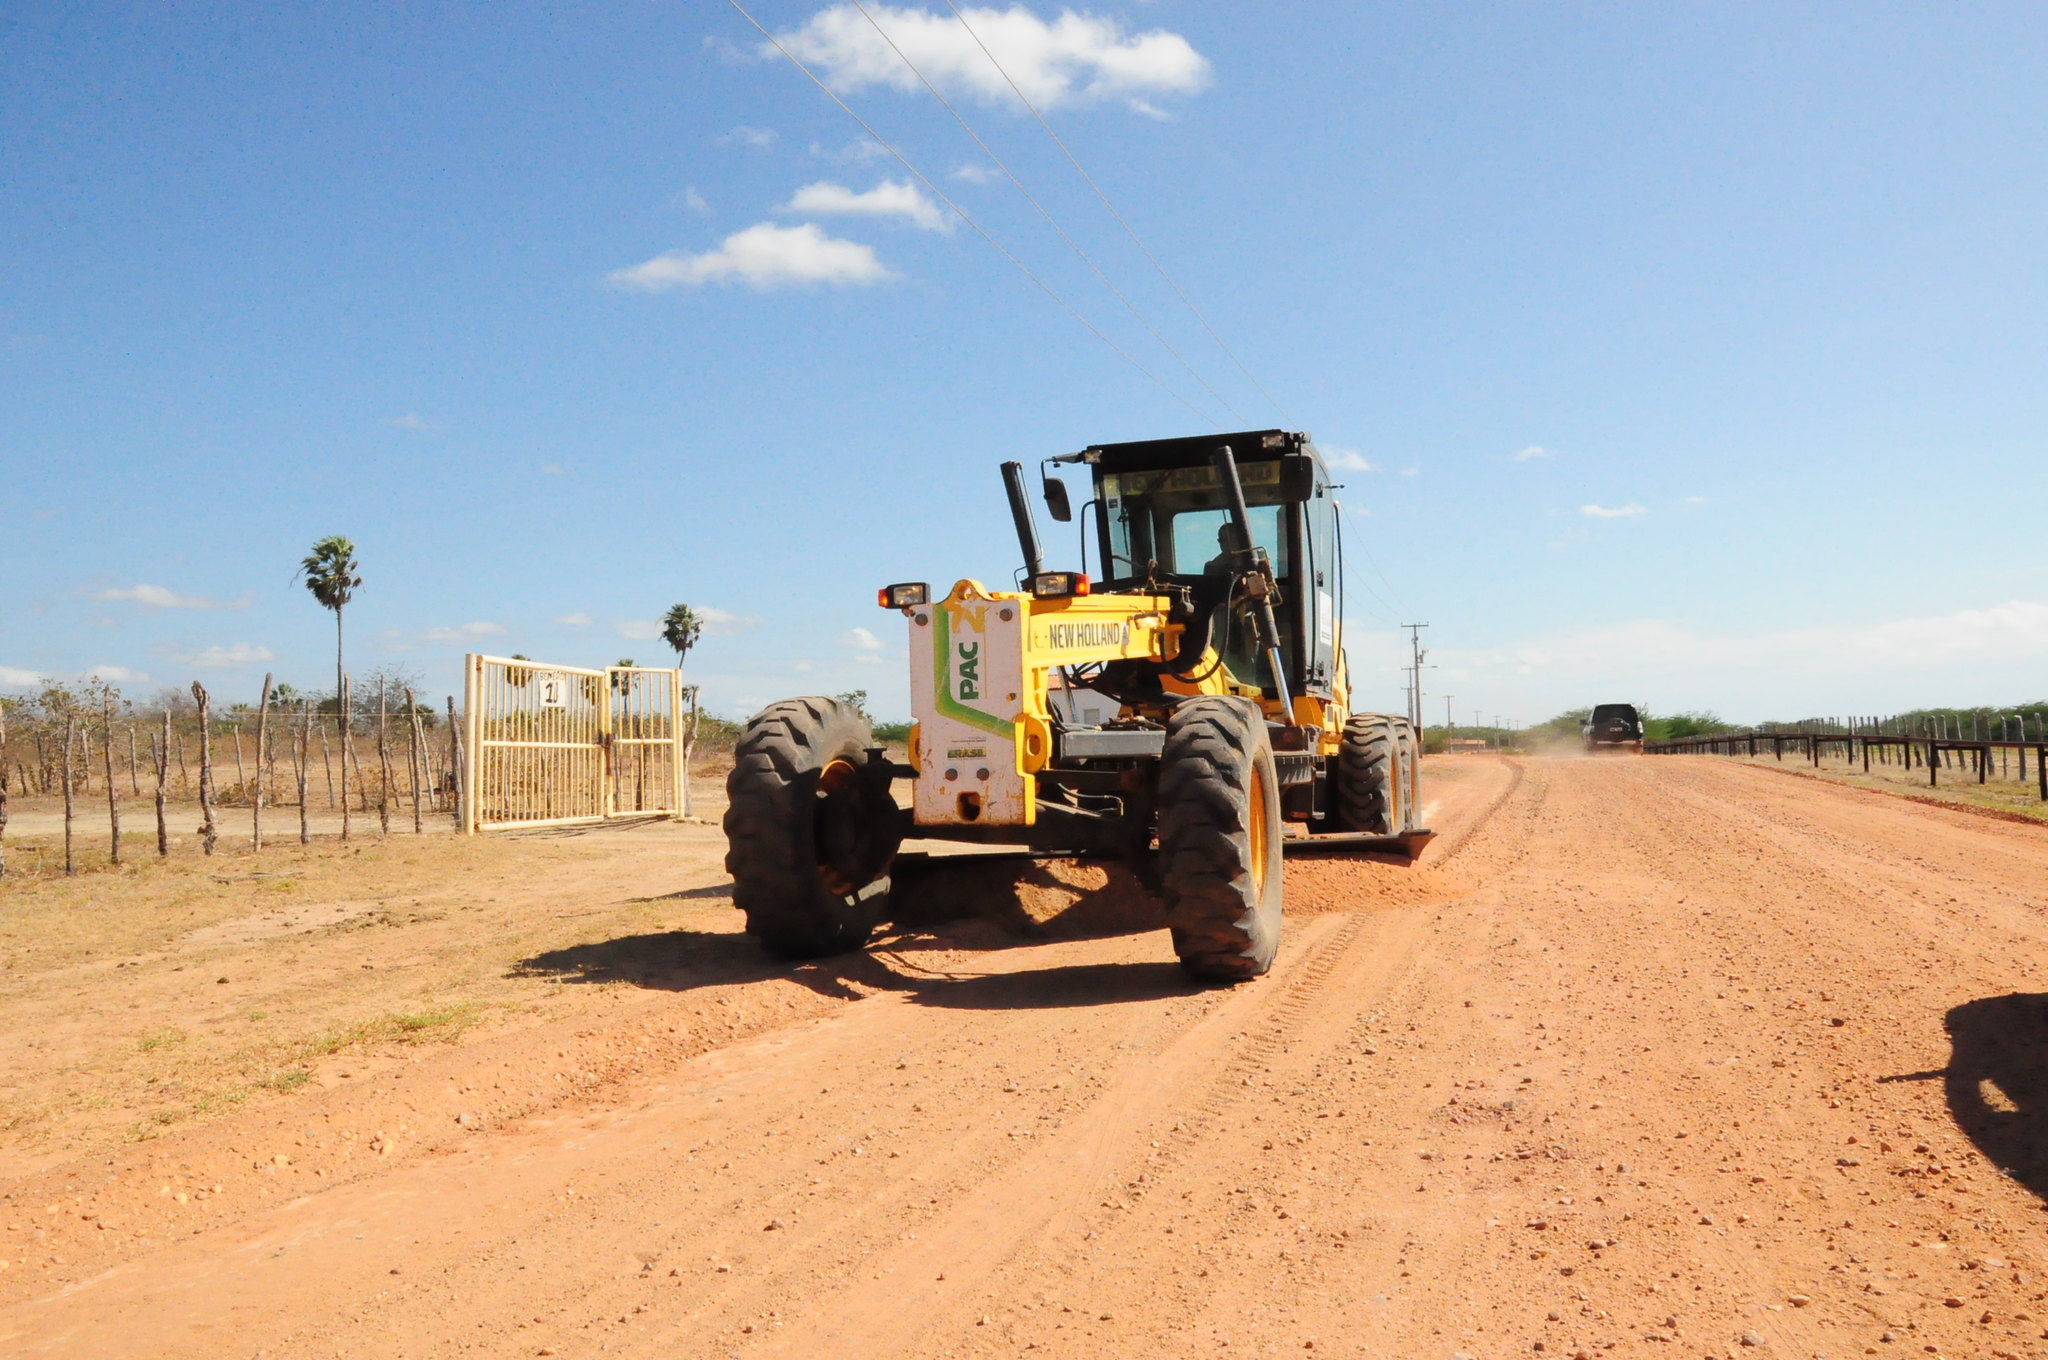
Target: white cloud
point(1534, 451)
point(466, 632)
point(551, 470)
point(410, 421)
point(1411, 472)
point(723, 623)
point(1149, 109)
point(860, 640)
point(859, 151)
point(763, 256)
point(1073, 59)
point(574, 620)
point(218, 658)
point(1342, 459)
point(160, 597)
point(1695, 500)
point(1989, 655)
point(115, 675)
point(975, 174)
point(757, 137)
point(14, 677)
point(639, 630)
point(1616, 512)
point(891, 198)
point(694, 201)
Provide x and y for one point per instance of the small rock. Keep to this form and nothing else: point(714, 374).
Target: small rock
point(1837, 1022)
point(466, 1120)
point(774, 1225)
point(1889, 1336)
point(1798, 1300)
point(220, 982)
point(1751, 1338)
point(1951, 1302)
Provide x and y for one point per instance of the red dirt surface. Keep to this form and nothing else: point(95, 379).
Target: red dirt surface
point(1645, 1057)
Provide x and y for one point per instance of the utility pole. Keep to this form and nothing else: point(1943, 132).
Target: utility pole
point(1415, 673)
point(1450, 724)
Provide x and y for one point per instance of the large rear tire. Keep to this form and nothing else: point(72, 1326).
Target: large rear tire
point(1219, 838)
point(810, 829)
point(1366, 779)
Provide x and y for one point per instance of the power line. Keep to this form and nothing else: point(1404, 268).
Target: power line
point(1050, 221)
point(962, 214)
point(1129, 231)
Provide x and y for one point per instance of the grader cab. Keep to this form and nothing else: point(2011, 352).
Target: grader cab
point(1209, 638)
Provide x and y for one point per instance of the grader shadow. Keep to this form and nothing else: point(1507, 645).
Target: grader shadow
point(968, 904)
point(1997, 1082)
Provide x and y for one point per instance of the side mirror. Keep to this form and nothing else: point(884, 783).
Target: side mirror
point(1056, 502)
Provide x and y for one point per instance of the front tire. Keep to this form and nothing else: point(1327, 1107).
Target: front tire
point(1219, 838)
point(1365, 776)
point(810, 830)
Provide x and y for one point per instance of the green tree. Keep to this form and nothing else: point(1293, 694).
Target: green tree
point(330, 574)
point(680, 628)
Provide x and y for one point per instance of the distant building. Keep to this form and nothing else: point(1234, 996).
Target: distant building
point(1468, 744)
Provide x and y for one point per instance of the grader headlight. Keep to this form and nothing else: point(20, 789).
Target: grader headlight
point(903, 595)
point(1057, 585)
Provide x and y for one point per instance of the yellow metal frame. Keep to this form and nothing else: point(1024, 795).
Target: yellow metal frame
point(548, 745)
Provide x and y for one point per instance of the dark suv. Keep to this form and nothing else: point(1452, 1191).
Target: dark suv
point(1614, 727)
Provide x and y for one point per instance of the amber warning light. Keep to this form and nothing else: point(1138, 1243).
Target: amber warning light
point(903, 595)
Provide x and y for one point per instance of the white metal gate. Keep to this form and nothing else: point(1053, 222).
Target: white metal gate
point(561, 745)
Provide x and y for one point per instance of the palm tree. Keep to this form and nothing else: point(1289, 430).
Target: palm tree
point(679, 629)
point(330, 572)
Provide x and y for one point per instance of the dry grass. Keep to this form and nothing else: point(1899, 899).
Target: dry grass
point(1957, 786)
point(141, 998)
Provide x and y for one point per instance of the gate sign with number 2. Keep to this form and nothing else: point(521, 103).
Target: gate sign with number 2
point(554, 691)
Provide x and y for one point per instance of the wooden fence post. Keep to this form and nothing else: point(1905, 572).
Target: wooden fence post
point(134, 779)
point(460, 771)
point(70, 731)
point(3, 788)
point(262, 749)
point(113, 794)
point(209, 830)
point(160, 753)
point(184, 770)
point(304, 746)
point(689, 753)
point(412, 716)
point(241, 770)
point(341, 715)
point(383, 761)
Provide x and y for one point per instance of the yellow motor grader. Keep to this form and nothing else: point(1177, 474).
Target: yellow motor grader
point(1179, 707)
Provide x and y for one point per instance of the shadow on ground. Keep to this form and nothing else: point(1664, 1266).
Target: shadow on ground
point(1064, 988)
point(1997, 1082)
point(964, 904)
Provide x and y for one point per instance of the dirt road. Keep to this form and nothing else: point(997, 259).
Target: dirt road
point(1647, 1057)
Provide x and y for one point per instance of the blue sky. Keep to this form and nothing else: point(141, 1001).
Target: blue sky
point(1692, 354)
